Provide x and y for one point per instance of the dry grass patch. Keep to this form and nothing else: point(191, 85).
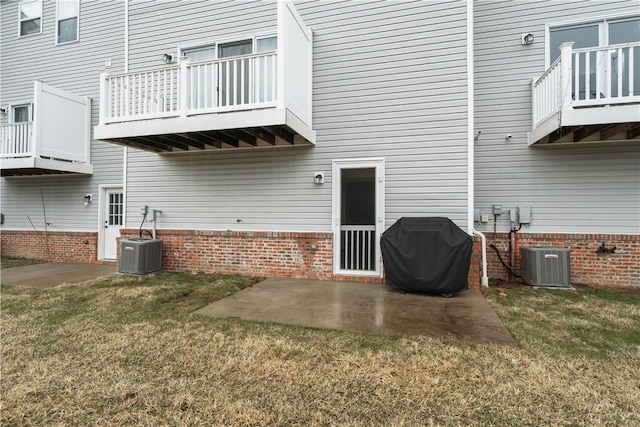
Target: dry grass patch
point(129, 352)
point(17, 262)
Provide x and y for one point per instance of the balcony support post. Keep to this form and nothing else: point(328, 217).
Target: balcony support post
point(566, 81)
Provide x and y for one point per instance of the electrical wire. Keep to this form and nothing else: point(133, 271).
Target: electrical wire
point(144, 217)
point(509, 268)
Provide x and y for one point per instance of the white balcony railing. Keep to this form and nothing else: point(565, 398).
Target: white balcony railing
point(590, 77)
point(230, 84)
point(15, 140)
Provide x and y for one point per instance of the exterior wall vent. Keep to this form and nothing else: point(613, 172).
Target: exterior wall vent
point(545, 266)
point(140, 256)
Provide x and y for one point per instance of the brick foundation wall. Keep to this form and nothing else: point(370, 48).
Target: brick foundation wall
point(621, 268)
point(259, 253)
point(270, 254)
point(57, 246)
point(310, 255)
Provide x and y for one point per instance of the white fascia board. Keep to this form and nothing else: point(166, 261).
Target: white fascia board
point(38, 163)
point(300, 127)
point(196, 123)
point(601, 116)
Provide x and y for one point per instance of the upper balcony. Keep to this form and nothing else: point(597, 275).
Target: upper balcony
point(56, 141)
point(588, 95)
point(261, 99)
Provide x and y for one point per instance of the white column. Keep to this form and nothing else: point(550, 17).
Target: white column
point(566, 80)
point(183, 86)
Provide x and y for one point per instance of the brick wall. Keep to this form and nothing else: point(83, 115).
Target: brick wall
point(258, 253)
point(310, 255)
point(284, 254)
point(55, 246)
point(587, 266)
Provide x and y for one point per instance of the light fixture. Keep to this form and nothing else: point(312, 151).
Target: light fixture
point(88, 198)
point(526, 38)
point(167, 59)
point(318, 178)
point(3, 110)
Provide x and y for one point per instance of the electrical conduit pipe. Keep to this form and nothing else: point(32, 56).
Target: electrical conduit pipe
point(484, 280)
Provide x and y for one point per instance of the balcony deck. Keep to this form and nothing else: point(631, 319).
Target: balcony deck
point(588, 95)
point(261, 99)
point(56, 142)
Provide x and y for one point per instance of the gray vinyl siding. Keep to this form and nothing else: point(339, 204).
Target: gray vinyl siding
point(389, 81)
point(75, 68)
point(590, 188)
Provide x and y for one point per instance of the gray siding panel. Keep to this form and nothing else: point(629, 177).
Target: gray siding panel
point(590, 188)
point(73, 67)
point(381, 90)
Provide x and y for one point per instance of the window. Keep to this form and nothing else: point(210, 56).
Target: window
point(20, 113)
point(606, 32)
point(30, 17)
point(68, 12)
point(236, 82)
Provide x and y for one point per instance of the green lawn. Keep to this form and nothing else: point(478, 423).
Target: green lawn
point(128, 351)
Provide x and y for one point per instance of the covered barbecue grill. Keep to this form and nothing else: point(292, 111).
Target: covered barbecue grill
point(426, 255)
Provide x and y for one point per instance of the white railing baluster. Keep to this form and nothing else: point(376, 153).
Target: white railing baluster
point(607, 74)
point(171, 92)
point(576, 77)
point(631, 70)
point(620, 72)
point(227, 66)
point(242, 82)
point(587, 76)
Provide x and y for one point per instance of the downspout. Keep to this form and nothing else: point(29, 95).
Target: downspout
point(484, 280)
point(126, 36)
point(125, 153)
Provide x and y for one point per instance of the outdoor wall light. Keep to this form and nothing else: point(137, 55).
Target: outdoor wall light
point(526, 39)
point(88, 198)
point(167, 59)
point(318, 178)
point(3, 110)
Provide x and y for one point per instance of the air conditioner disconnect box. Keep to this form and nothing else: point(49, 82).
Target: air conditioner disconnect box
point(140, 256)
point(545, 266)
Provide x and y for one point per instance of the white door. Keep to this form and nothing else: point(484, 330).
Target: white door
point(358, 207)
point(113, 221)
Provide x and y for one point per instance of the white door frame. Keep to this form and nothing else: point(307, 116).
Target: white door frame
point(362, 163)
point(102, 207)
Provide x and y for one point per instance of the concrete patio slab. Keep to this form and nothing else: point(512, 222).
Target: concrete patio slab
point(51, 274)
point(365, 307)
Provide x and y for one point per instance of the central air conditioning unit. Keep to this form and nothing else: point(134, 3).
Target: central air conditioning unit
point(545, 267)
point(140, 256)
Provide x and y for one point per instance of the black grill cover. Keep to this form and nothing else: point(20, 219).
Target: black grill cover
point(426, 255)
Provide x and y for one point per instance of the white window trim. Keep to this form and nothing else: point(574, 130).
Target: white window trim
point(603, 32)
point(216, 45)
point(12, 108)
point(77, 24)
point(21, 20)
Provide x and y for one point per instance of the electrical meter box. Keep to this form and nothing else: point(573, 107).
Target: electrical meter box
point(545, 266)
point(140, 256)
